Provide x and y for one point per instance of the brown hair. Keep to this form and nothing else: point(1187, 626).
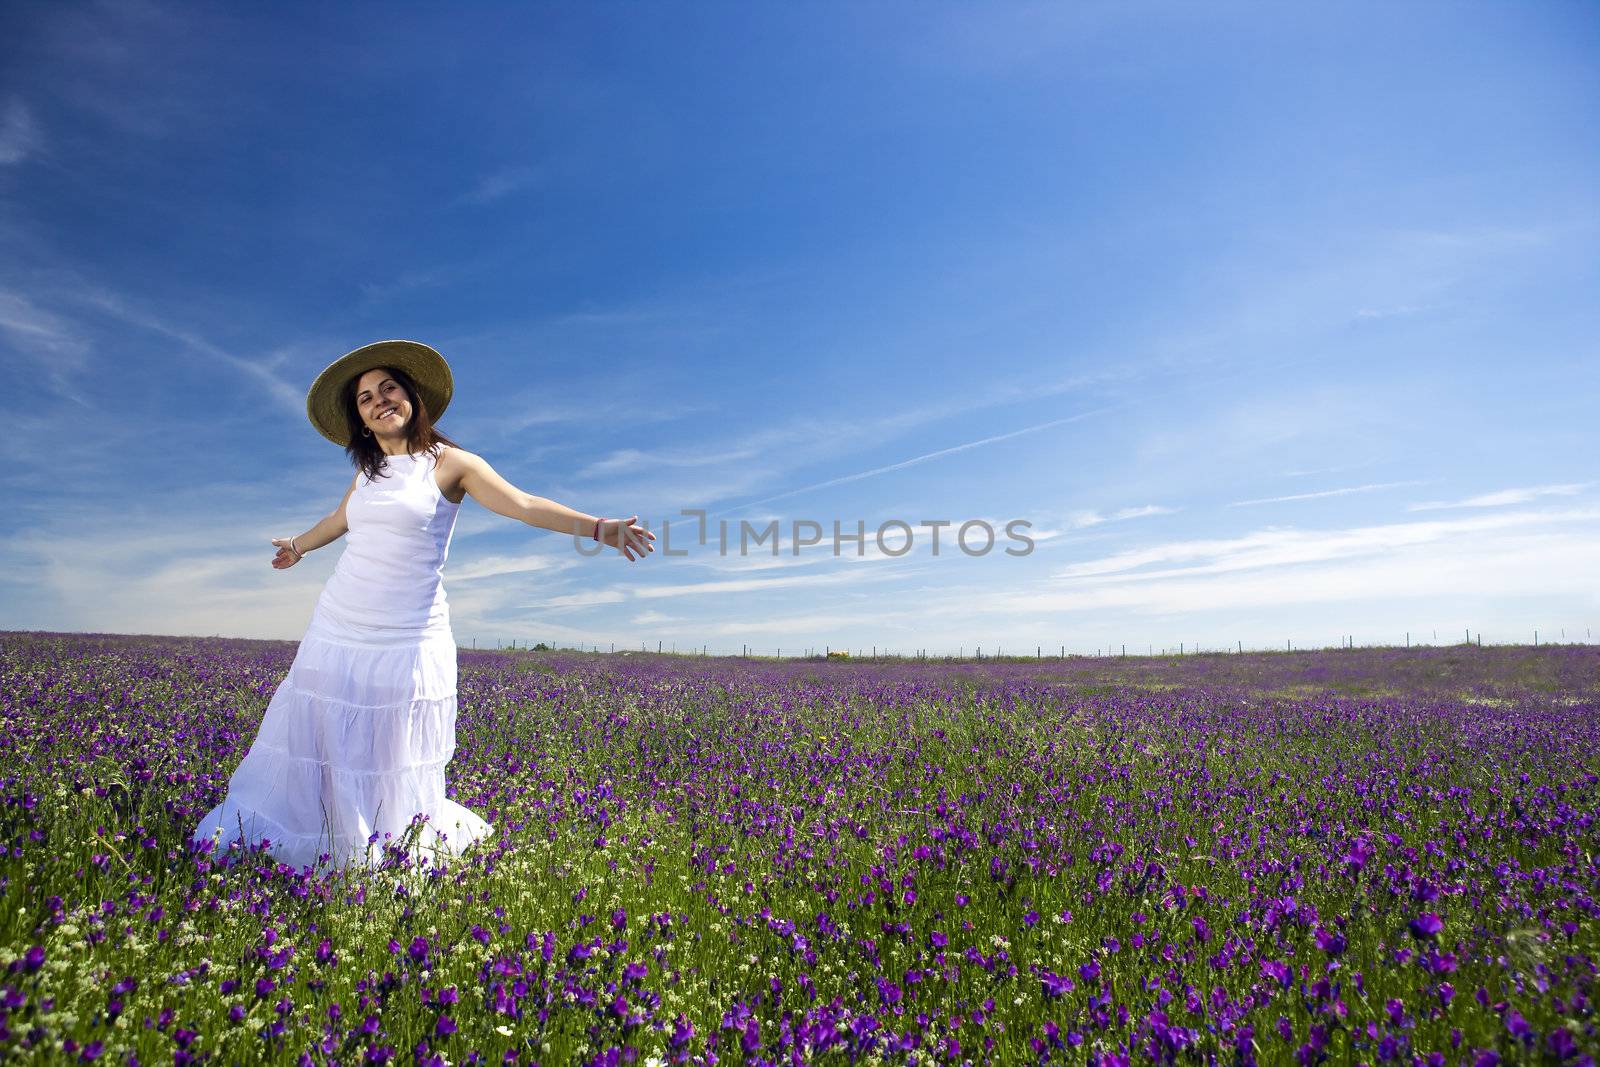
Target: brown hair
point(364, 450)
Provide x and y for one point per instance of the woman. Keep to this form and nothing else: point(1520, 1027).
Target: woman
point(355, 741)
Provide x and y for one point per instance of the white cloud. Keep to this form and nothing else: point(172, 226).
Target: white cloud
point(848, 576)
point(650, 616)
point(19, 138)
point(1511, 567)
point(914, 460)
point(1504, 497)
point(499, 566)
point(56, 347)
point(630, 460)
point(1324, 493)
point(795, 624)
point(501, 183)
point(1394, 311)
point(290, 398)
point(583, 600)
point(1275, 547)
point(1082, 520)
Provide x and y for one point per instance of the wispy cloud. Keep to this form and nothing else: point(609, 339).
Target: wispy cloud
point(500, 183)
point(1307, 472)
point(584, 600)
point(913, 461)
point(1082, 520)
point(650, 616)
point(848, 576)
point(630, 459)
point(797, 624)
point(809, 439)
point(1348, 490)
point(19, 137)
point(499, 566)
point(1504, 497)
point(1274, 547)
point(1394, 311)
point(188, 573)
point(407, 281)
point(289, 397)
point(57, 348)
point(1421, 575)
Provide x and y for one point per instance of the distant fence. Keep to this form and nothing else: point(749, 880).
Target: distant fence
point(1040, 652)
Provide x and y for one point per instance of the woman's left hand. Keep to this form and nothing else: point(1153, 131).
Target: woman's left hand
point(632, 540)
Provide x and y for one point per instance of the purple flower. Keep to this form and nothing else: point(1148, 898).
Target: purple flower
point(1090, 971)
point(1331, 942)
point(1055, 985)
point(1426, 926)
point(445, 1026)
point(33, 959)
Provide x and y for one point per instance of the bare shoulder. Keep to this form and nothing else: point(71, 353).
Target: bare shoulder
point(453, 461)
point(453, 466)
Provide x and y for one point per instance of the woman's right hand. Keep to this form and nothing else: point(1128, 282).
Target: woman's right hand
point(287, 557)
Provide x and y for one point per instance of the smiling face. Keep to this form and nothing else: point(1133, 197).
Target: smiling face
point(382, 403)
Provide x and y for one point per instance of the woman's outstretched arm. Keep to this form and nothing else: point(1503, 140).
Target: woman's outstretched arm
point(481, 482)
point(328, 529)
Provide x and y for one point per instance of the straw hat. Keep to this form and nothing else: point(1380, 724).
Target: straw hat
point(426, 368)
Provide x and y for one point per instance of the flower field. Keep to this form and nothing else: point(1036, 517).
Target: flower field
point(1353, 856)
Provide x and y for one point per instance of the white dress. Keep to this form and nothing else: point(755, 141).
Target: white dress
point(355, 740)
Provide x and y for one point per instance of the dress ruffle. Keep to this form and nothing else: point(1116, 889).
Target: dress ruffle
point(354, 743)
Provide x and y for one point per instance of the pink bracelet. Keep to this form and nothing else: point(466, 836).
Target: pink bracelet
point(597, 523)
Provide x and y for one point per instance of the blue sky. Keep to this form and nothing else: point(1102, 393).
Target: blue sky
point(1277, 322)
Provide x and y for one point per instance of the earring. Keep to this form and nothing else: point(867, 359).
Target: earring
point(366, 431)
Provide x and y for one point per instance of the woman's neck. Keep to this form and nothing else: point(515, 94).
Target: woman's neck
point(396, 446)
